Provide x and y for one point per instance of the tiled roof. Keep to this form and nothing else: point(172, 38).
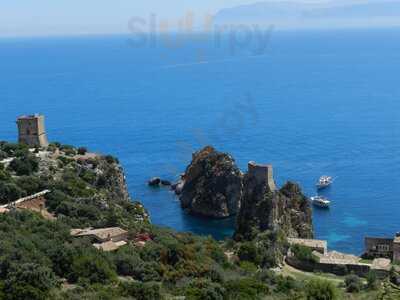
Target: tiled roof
point(101, 233)
point(109, 245)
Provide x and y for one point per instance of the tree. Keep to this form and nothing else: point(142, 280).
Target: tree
point(248, 252)
point(318, 289)
point(353, 283)
point(372, 280)
point(141, 291)
point(245, 289)
point(303, 253)
point(29, 281)
point(82, 150)
point(10, 192)
point(92, 267)
point(203, 289)
point(24, 165)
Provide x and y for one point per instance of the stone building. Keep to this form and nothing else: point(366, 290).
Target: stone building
point(105, 239)
point(263, 174)
point(376, 247)
point(31, 131)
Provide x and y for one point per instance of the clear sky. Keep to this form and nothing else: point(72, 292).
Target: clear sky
point(49, 17)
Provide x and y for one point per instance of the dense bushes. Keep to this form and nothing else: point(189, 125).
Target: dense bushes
point(141, 291)
point(303, 253)
point(91, 267)
point(248, 252)
point(36, 255)
point(353, 283)
point(9, 191)
point(245, 288)
point(25, 165)
point(29, 281)
point(318, 289)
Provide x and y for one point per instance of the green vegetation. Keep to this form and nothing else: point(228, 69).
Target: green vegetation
point(303, 253)
point(39, 259)
point(318, 289)
point(353, 283)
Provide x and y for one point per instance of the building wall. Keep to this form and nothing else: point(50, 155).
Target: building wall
point(379, 247)
point(120, 237)
point(396, 251)
point(262, 173)
point(31, 131)
point(337, 269)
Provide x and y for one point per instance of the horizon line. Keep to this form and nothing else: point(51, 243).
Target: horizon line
point(194, 31)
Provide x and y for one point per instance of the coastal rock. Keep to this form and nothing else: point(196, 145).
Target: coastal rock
point(165, 182)
point(212, 185)
point(265, 208)
point(155, 181)
point(178, 187)
point(111, 176)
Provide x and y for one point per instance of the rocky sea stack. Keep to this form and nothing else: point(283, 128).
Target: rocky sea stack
point(266, 208)
point(212, 185)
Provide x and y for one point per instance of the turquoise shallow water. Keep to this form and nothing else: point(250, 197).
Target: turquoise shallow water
point(314, 103)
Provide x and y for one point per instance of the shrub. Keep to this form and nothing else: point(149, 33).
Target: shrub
point(141, 291)
point(245, 289)
point(353, 283)
point(372, 280)
point(68, 150)
point(30, 184)
point(29, 281)
point(82, 150)
point(25, 165)
point(248, 266)
point(203, 289)
point(3, 155)
point(10, 192)
point(93, 268)
point(285, 284)
point(248, 252)
point(148, 271)
point(127, 263)
point(318, 289)
point(111, 159)
point(303, 253)
point(11, 149)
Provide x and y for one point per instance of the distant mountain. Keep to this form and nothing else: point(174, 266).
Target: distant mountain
point(372, 13)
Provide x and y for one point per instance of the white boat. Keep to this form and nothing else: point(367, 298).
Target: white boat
point(320, 201)
point(324, 182)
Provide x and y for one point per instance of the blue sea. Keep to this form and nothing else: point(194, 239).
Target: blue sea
point(311, 103)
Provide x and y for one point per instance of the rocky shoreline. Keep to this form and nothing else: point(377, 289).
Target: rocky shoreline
point(213, 186)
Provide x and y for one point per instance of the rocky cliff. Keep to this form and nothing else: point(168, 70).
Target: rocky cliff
point(265, 208)
point(212, 185)
point(85, 186)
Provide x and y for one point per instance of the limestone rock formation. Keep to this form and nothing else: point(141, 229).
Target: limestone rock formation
point(155, 181)
point(212, 185)
point(112, 177)
point(265, 208)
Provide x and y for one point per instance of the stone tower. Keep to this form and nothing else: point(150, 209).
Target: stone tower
point(31, 131)
point(263, 174)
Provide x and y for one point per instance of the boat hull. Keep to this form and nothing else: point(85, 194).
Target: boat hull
point(320, 205)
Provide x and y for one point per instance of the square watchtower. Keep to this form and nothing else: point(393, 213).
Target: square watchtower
point(263, 174)
point(31, 131)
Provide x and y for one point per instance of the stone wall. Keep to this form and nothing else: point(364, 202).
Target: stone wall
point(379, 247)
point(262, 174)
point(31, 131)
point(338, 269)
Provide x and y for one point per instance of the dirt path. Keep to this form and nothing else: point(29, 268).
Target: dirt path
point(301, 275)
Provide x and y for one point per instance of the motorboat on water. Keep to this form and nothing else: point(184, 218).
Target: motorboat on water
point(324, 182)
point(320, 201)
